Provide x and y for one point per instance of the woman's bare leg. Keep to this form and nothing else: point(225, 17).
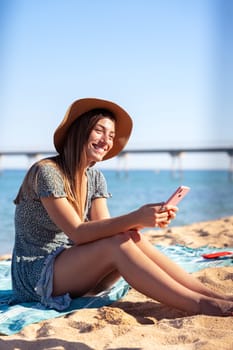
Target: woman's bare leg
point(79, 269)
point(176, 272)
point(105, 283)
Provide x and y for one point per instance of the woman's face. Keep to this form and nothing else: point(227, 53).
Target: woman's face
point(100, 140)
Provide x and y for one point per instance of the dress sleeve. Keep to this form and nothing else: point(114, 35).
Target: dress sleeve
point(49, 182)
point(99, 185)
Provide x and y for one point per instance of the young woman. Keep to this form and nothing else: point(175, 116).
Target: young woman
point(67, 245)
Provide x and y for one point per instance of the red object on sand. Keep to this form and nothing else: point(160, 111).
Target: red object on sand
point(218, 255)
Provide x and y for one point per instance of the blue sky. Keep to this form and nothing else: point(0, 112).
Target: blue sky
point(166, 62)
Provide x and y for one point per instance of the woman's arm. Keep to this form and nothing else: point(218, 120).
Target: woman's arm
point(65, 217)
point(99, 209)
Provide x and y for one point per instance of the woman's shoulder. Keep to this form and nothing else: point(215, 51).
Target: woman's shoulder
point(49, 180)
point(47, 167)
point(47, 164)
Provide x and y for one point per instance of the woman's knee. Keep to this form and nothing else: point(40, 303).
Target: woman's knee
point(125, 238)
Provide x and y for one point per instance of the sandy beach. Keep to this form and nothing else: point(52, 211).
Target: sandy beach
point(137, 322)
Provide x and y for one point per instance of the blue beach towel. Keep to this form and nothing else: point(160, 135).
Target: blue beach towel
point(191, 260)
point(16, 317)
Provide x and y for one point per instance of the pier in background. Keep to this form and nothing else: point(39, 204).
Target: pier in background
point(175, 153)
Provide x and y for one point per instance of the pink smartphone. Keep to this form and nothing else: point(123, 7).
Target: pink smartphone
point(179, 194)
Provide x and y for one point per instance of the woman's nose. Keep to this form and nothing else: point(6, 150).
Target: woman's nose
point(104, 138)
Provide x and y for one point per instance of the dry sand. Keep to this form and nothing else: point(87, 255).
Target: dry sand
point(137, 322)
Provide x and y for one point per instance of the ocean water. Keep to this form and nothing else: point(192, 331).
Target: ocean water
point(211, 195)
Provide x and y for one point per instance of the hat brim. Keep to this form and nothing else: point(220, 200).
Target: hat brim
point(123, 126)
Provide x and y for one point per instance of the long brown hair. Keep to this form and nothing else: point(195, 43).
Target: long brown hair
point(71, 161)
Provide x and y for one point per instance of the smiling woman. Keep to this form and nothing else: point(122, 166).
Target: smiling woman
point(66, 244)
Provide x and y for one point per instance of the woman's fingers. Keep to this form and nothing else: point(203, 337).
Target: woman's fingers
point(157, 214)
point(164, 216)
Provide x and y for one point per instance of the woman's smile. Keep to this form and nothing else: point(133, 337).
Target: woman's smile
point(100, 147)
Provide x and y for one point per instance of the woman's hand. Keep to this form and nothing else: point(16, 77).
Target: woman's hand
point(155, 215)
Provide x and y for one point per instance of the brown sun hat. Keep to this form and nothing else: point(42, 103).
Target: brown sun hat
point(77, 108)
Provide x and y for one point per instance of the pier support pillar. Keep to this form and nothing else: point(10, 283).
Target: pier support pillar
point(1, 156)
point(230, 171)
point(122, 167)
point(176, 171)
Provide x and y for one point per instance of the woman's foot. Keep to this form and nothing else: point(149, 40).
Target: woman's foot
point(225, 297)
point(216, 307)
